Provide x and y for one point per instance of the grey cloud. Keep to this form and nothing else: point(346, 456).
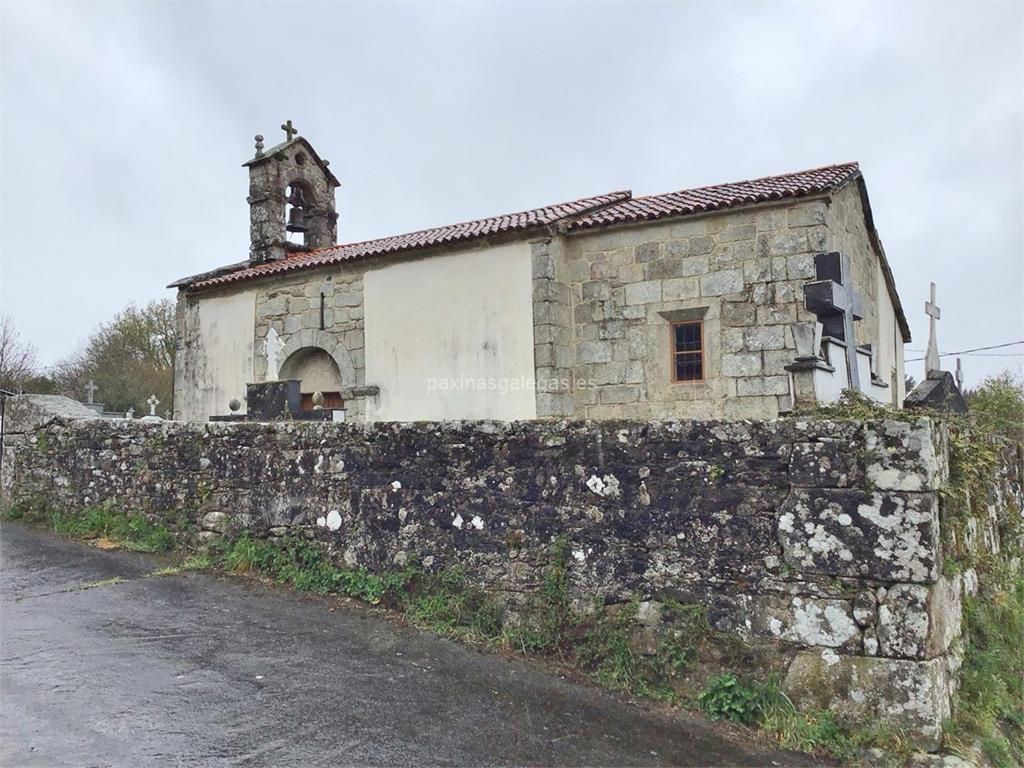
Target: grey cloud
point(124, 127)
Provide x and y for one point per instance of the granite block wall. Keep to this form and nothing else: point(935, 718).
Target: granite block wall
point(819, 538)
point(289, 309)
point(741, 272)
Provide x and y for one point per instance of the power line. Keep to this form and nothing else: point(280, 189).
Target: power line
point(967, 351)
point(996, 354)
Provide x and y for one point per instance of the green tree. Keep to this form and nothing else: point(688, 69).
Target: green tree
point(129, 359)
point(997, 405)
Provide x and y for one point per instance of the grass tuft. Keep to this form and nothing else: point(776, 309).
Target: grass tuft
point(763, 704)
point(131, 531)
point(128, 530)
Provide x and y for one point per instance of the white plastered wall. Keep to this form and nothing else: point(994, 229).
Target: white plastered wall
point(219, 359)
point(451, 336)
point(890, 342)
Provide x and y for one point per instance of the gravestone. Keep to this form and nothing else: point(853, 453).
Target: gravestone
point(152, 402)
point(940, 390)
point(272, 400)
point(90, 391)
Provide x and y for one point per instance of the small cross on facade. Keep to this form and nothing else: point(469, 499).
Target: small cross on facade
point(289, 131)
point(152, 402)
point(90, 389)
point(832, 299)
point(931, 360)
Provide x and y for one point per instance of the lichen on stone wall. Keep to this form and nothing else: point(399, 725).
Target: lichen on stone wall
point(773, 527)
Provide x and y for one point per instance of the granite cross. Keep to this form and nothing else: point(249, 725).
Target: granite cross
point(152, 402)
point(289, 131)
point(931, 360)
point(90, 389)
point(837, 305)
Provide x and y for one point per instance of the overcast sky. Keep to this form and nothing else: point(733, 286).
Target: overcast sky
point(124, 127)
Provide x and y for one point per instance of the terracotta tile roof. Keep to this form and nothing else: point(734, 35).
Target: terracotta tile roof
point(586, 213)
point(453, 233)
point(719, 196)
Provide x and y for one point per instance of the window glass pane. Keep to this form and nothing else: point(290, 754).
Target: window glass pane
point(689, 367)
point(688, 337)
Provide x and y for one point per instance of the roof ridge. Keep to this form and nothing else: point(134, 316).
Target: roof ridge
point(854, 165)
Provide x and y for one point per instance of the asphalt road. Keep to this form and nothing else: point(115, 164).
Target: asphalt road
point(199, 669)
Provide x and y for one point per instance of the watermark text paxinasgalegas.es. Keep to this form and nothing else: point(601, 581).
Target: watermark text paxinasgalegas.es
point(504, 385)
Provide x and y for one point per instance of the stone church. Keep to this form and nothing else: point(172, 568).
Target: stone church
point(690, 304)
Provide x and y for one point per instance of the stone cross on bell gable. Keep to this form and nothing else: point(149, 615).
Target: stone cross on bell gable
point(90, 390)
point(289, 131)
point(152, 402)
point(931, 360)
point(832, 299)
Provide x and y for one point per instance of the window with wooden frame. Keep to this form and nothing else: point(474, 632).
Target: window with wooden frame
point(688, 351)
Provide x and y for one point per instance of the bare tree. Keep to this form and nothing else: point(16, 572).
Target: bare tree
point(17, 357)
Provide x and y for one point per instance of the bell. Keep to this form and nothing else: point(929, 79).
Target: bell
point(296, 220)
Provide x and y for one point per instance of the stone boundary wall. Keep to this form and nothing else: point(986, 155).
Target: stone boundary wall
point(818, 538)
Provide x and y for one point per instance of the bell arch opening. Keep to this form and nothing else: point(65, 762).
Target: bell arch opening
point(297, 198)
point(317, 372)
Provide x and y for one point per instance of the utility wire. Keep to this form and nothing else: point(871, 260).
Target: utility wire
point(967, 351)
point(995, 354)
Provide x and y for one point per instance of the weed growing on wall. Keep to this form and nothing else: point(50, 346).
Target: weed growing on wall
point(125, 529)
point(306, 567)
point(608, 648)
point(763, 704)
point(990, 705)
point(446, 604)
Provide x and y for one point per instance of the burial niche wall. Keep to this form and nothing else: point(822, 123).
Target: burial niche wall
point(317, 372)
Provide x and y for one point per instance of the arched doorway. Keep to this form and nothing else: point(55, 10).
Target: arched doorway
point(317, 372)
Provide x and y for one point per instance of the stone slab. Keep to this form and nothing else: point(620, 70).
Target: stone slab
point(901, 694)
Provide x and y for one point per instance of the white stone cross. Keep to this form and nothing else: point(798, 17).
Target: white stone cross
point(90, 389)
point(931, 360)
point(152, 403)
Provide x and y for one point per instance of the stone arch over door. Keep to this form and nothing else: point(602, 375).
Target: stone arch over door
point(329, 344)
point(315, 371)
